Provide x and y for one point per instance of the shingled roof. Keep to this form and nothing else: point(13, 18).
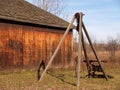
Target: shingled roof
point(23, 11)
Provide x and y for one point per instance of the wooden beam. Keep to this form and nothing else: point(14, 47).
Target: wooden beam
point(58, 47)
point(85, 53)
point(79, 49)
point(94, 51)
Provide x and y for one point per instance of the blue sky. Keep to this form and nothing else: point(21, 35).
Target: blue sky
point(102, 17)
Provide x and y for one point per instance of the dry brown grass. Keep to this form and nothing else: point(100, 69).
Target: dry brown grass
point(104, 55)
point(58, 79)
point(63, 79)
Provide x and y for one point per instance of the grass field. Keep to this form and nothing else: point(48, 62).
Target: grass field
point(58, 79)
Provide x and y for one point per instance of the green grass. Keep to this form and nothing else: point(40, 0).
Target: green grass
point(59, 79)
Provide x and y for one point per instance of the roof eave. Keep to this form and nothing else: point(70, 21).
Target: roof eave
point(33, 22)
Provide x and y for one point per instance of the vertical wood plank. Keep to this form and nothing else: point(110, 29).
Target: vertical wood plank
point(4, 52)
point(15, 44)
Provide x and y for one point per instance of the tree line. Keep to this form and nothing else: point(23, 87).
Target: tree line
point(111, 46)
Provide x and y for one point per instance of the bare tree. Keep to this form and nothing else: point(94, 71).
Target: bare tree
point(112, 46)
point(56, 7)
point(118, 38)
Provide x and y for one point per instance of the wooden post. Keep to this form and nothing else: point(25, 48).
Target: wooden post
point(79, 50)
point(55, 52)
point(85, 53)
point(84, 28)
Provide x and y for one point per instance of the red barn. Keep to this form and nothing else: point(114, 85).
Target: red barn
point(29, 34)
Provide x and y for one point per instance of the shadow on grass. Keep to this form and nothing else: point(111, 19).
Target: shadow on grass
point(60, 77)
point(110, 77)
point(102, 76)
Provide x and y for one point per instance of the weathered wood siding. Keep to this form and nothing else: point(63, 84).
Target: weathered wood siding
point(25, 46)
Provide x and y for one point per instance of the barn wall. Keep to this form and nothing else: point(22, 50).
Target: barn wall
point(25, 46)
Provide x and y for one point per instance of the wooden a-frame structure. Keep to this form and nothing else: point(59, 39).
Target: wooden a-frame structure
point(80, 28)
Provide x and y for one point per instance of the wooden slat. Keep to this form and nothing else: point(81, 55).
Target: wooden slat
point(3, 36)
point(15, 44)
point(63, 53)
point(29, 48)
point(37, 48)
point(48, 46)
point(4, 52)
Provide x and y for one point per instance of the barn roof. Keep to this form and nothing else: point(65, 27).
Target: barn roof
point(22, 11)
